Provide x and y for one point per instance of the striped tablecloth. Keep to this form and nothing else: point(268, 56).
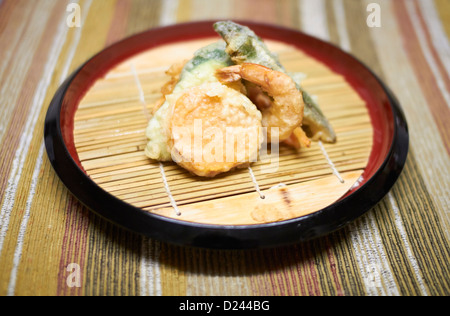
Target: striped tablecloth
point(400, 247)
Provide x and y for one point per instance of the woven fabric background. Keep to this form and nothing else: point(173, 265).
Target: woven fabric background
point(399, 248)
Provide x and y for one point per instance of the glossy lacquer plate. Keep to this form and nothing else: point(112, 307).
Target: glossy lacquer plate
point(386, 157)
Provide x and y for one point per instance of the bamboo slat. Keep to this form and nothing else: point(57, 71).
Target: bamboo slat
point(110, 138)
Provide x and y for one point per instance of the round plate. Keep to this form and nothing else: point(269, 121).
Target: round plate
point(388, 156)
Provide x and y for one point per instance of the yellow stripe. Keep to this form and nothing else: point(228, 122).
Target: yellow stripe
point(144, 15)
point(95, 30)
point(184, 11)
point(443, 8)
point(173, 262)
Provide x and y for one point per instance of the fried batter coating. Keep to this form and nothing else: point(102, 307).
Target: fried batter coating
point(244, 46)
point(214, 129)
point(285, 113)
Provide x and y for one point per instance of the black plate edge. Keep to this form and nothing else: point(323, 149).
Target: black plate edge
point(215, 236)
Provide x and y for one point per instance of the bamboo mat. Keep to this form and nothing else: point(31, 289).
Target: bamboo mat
point(109, 134)
point(50, 244)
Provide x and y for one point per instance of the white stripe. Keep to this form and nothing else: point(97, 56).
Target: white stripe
point(151, 70)
point(366, 239)
point(370, 257)
point(314, 19)
point(437, 31)
point(28, 133)
point(73, 49)
point(168, 12)
point(150, 278)
point(384, 275)
point(330, 163)
point(341, 24)
point(24, 223)
point(141, 92)
point(252, 175)
point(54, 54)
point(138, 83)
point(426, 50)
point(409, 253)
point(169, 194)
point(143, 274)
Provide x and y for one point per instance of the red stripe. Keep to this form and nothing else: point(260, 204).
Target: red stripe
point(312, 283)
point(292, 275)
point(65, 254)
point(16, 12)
point(315, 290)
point(73, 246)
point(300, 274)
point(427, 80)
point(332, 260)
point(81, 237)
point(6, 8)
point(271, 286)
point(261, 10)
point(119, 22)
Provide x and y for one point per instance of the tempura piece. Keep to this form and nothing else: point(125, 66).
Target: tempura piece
point(285, 112)
point(200, 69)
point(214, 129)
point(244, 46)
point(203, 125)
